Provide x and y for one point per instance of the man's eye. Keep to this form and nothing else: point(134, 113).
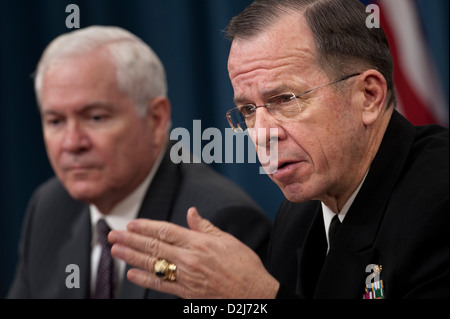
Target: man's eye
point(53, 122)
point(98, 118)
point(247, 110)
point(281, 99)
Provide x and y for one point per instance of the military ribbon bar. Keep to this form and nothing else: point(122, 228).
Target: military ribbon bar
point(375, 291)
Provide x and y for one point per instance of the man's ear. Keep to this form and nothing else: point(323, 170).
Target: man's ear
point(158, 116)
point(373, 88)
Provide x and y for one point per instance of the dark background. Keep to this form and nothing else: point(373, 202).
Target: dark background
point(186, 34)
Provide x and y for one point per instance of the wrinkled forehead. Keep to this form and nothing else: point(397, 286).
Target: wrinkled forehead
point(282, 56)
point(290, 38)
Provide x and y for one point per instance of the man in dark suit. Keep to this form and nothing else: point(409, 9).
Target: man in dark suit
point(366, 209)
point(105, 116)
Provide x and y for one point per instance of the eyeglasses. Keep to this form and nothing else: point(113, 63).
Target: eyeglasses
point(280, 106)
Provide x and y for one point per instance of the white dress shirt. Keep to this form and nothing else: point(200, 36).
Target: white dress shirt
point(124, 212)
point(328, 214)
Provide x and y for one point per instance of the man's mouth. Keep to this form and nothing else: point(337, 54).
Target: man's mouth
point(78, 167)
point(284, 171)
point(283, 165)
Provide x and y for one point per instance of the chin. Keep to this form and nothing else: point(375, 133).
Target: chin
point(83, 191)
point(296, 193)
point(295, 198)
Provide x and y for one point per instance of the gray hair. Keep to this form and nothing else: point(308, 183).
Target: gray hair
point(140, 73)
point(344, 42)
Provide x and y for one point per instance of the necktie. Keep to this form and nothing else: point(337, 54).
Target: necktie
point(105, 284)
point(334, 226)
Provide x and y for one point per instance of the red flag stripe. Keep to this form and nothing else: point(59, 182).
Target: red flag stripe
point(411, 104)
point(419, 93)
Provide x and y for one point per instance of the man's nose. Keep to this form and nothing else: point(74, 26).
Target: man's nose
point(75, 139)
point(266, 129)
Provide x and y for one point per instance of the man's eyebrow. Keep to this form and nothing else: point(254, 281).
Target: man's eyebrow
point(85, 108)
point(96, 105)
point(240, 100)
point(49, 113)
point(282, 88)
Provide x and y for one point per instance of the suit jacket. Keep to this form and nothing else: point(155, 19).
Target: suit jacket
point(399, 220)
point(57, 229)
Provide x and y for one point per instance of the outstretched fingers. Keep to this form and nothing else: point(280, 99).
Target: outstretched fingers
point(161, 230)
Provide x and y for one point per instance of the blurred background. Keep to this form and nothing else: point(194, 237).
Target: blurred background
point(187, 35)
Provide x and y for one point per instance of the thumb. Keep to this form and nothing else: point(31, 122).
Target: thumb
point(197, 223)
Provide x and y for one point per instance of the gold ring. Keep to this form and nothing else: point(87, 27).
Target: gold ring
point(165, 269)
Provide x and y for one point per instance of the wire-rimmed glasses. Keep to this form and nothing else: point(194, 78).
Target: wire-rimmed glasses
point(283, 105)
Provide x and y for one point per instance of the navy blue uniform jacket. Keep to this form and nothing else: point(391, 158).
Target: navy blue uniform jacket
point(399, 220)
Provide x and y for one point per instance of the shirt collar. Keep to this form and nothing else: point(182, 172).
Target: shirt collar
point(328, 214)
